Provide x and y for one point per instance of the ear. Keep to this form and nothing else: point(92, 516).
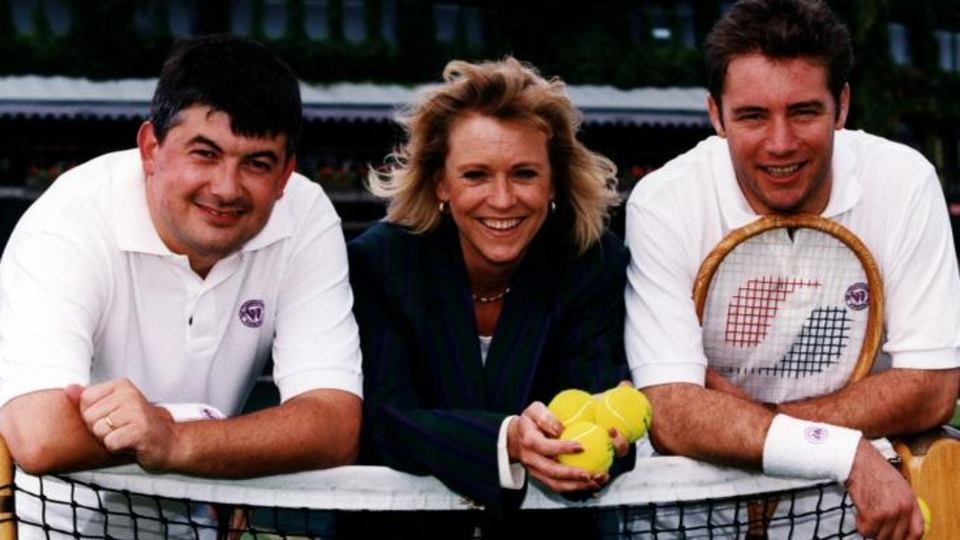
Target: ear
point(716, 116)
point(287, 173)
point(844, 107)
point(147, 143)
point(441, 189)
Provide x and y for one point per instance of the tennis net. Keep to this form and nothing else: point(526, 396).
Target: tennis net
point(663, 497)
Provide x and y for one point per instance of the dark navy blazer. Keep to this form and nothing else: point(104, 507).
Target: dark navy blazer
point(430, 405)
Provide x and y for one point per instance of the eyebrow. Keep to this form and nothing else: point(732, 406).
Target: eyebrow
point(267, 154)
point(813, 103)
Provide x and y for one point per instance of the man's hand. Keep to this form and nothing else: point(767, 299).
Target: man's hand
point(886, 505)
point(125, 422)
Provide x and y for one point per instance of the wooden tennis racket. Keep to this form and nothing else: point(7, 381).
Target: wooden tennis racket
point(8, 517)
point(791, 308)
point(931, 461)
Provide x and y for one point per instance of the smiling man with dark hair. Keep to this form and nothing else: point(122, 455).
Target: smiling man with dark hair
point(146, 290)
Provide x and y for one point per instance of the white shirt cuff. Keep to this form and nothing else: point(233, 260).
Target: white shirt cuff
point(512, 475)
point(189, 412)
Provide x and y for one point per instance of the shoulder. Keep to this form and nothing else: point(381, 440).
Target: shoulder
point(306, 203)
point(384, 237)
point(605, 260)
point(879, 158)
point(610, 250)
point(689, 173)
point(81, 201)
point(389, 249)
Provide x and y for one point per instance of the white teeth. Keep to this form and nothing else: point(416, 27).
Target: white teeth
point(501, 224)
point(783, 171)
point(231, 213)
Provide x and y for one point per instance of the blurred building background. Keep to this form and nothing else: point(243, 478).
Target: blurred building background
point(76, 76)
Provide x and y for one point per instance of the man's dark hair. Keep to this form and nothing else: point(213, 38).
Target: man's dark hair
point(229, 74)
point(780, 30)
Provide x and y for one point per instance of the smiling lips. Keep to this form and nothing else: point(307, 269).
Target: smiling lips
point(782, 172)
point(501, 224)
point(221, 215)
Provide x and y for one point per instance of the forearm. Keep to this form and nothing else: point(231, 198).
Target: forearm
point(316, 430)
point(703, 424)
point(897, 401)
point(45, 435)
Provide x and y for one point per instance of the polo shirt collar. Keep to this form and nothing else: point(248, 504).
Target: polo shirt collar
point(135, 230)
point(132, 224)
point(278, 227)
point(846, 191)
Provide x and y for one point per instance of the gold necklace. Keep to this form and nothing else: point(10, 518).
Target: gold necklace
point(491, 298)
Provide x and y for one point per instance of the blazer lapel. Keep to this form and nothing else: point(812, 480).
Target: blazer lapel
point(450, 319)
point(517, 350)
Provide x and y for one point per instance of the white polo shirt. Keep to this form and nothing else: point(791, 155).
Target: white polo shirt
point(89, 293)
point(885, 193)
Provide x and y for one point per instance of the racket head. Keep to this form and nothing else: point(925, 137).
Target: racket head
point(791, 307)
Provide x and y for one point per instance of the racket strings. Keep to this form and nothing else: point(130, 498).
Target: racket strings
point(785, 314)
point(755, 305)
point(819, 346)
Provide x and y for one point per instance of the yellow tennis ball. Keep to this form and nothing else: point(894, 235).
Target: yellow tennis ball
point(597, 455)
point(572, 405)
point(925, 510)
point(626, 409)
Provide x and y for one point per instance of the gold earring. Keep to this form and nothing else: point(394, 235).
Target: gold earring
point(443, 207)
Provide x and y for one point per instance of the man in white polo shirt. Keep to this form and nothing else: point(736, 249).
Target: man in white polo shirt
point(144, 292)
point(779, 97)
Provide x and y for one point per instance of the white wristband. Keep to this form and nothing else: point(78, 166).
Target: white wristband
point(188, 412)
point(803, 449)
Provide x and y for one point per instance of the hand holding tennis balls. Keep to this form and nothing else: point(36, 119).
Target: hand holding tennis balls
point(588, 420)
point(626, 409)
point(573, 405)
point(597, 455)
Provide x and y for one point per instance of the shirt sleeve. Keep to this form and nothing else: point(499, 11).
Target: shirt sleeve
point(52, 290)
point(317, 344)
point(922, 283)
point(662, 335)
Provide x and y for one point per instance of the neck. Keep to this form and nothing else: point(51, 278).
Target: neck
point(486, 299)
point(488, 287)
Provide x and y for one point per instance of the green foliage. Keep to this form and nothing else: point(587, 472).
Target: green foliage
point(594, 43)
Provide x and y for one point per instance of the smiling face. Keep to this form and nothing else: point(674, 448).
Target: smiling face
point(498, 183)
point(209, 190)
point(779, 119)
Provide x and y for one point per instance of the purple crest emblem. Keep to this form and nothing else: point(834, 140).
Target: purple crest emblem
point(251, 313)
point(816, 434)
point(857, 296)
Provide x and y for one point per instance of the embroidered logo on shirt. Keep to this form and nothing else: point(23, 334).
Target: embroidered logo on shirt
point(251, 313)
point(816, 435)
point(210, 413)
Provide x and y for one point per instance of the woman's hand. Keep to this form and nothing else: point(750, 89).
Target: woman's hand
point(533, 440)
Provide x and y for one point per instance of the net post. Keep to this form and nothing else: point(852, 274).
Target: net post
point(8, 516)
point(931, 463)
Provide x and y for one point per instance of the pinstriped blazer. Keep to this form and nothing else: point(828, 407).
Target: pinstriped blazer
point(430, 405)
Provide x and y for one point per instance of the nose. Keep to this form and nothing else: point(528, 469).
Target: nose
point(225, 184)
point(782, 138)
point(502, 195)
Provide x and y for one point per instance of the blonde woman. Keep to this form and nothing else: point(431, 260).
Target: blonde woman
point(492, 284)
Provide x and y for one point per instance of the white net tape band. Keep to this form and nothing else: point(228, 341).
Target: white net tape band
point(658, 479)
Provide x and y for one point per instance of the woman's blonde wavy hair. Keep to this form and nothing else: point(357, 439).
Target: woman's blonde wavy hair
point(584, 181)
